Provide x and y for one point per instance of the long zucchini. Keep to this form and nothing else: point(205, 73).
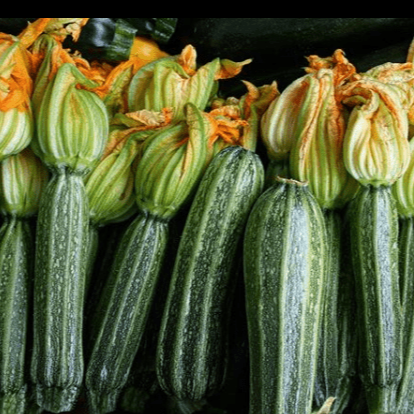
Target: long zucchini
point(133, 280)
point(16, 261)
point(285, 248)
point(60, 269)
point(336, 368)
point(374, 243)
point(192, 343)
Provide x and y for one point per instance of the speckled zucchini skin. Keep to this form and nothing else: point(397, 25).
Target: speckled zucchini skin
point(57, 363)
point(406, 247)
point(16, 268)
point(336, 368)
point(192, 344)
point(285, 253)
point(375, 257)
point(117, 323)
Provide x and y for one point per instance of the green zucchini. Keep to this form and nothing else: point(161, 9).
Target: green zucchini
point(16, 261)
point(60, 269)
point(285, 254)
point(118, 321)
point(375, 258)
point(192, 343)
point(336, 368)
point(406, 246)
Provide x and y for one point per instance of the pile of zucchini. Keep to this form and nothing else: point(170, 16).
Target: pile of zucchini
point(167, 248)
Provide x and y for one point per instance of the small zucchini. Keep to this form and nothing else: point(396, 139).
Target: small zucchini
point(192, 343)
point(285, 254)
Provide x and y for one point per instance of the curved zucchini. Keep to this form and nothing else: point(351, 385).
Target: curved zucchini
point(192, 344)
point(336, 366)
point(118, 321)
point(375, 257)
point(60, 266)
point(285, 253)
point(16, 261)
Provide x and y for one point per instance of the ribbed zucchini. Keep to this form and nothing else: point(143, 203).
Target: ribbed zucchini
point(122, 311)
point(336, 368)
point(285, 253)
point(374, 243)
point(16, 261)
point(192, 343)
point(406, 246)
point(60, 269)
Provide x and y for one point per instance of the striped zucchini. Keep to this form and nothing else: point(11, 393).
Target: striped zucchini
point(406, 246)
point(16, 261)
point(336, 368)
point(192, 344)
point(375, 257)
point(285, 254)
point(118, 321)
point(60, 268)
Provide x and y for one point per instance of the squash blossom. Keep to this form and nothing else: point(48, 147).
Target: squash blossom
point(376, 146)
point(316, 155)
point(16, 85)
point(403, 188)
point(238, 119)
point(72, 122)
point(174, 81)
point(23, 177)
point(172, 162)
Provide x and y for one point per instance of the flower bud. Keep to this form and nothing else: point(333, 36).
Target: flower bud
point(16, 118)
point(110, 185)
point(172, 162)
point(376, 146)
point(403, 188)
point(22, 180)
point(172, 82)
point(316, 156)
point(72, 122)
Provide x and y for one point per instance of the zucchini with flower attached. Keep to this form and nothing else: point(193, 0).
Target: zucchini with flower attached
point(285, 251)
point(72, 129)
point(311, 148)
point(163, 184)
point(22, 179)
point(376, 154)
point(191, 351)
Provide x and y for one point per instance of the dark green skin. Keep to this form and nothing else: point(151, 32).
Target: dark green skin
point(16, 272)
point(406, 246)
point(375, 257)
point(285, 254)
point(117, 323)
point(192, 344)
point(336, 368)
point(57, 364)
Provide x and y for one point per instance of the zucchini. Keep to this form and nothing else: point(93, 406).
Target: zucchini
point(60, 272)
point(172, 163)
point(122, 311)
point(16, 260)
point(285, 254)
point(336, 368)
point(192, 343)
point(375, 257)
point(406, 246)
